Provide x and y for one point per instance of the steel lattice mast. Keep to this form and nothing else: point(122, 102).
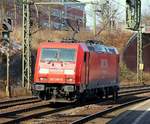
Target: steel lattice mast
point(26, 46)
point(140, 65)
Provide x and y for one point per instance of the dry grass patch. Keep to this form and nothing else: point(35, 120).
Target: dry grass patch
point(117, 38)
point(2, 94)
point(20, 91)
point(16, 91)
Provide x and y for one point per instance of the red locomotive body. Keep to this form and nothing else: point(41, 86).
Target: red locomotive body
point(73, 71)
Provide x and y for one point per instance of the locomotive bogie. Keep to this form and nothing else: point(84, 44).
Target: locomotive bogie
point(55, 91)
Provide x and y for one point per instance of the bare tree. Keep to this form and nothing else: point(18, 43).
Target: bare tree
point(107, 16)
point(146, 17)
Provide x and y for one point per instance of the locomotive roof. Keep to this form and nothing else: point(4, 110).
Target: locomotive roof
point(85, 46)
point(102, 48)
point(64, 45)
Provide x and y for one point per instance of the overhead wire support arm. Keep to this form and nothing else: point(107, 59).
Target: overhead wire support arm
point(62, 3)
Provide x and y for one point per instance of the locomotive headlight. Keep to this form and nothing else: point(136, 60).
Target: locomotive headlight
point(43, 79)
point(44, 71)
point(69, 79)
point(69, 72)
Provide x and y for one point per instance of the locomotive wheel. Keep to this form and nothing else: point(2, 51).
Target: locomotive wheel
point(106, 93)
point(106, 96)
point(41, 95)
point(101, 96)
point(115, 95)
point(82, 97)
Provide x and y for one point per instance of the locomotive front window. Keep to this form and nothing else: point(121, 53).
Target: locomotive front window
point(67, 55)
point(49, 54)
point(58, 55)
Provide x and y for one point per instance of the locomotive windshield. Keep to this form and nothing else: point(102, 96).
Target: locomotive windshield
point(64, 55)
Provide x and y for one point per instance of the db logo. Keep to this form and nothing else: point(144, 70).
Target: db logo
point(104, 63)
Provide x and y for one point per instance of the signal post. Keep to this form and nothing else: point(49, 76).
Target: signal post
point(7, 28)
point(133, 21)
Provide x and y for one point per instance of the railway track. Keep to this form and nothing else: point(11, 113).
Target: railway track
point(20, 113)
point(134, 91)
point(18, 101)
point(79, 112)
point(109, 110)
point(22, 110)
point(134, 86)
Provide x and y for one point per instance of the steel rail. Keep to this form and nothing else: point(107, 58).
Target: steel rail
point(101, 113)
point(12, 100)
point(134, 90)
point(134, 87)
point(30, 108)
point(22, 102)
point(134, 93)
point(37, 114)
point(18, 101)
point(31, 113)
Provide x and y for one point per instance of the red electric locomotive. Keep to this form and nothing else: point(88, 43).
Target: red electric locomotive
point(74, 71)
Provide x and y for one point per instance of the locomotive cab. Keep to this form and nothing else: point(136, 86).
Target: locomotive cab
point(56, 74)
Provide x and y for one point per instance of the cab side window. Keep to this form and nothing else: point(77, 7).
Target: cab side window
point(85, 57)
